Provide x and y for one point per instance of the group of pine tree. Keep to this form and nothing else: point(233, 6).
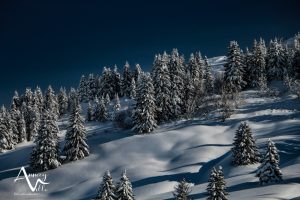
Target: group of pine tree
point(174, 89)
point(109, 191)
point(244, 152)
point(33, 117)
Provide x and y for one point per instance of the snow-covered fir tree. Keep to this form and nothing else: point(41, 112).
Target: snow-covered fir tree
point(100, 112)
point(75, 146)
point(18, 124)
point(190, 97)
point(247, 67)
point(62, 99)
point(124, 188)
point(107, 188)
point(38, 99)
point(177, 78)
point(17, 100)
point(275, 61)
point(234, 69)
point(258, 64)
point(269, 171)
point(182, 190)
point(244, 149)
point(195, 79)
point(32, 120)
point(73, 98)
point(133, 89)
point(144, 112)
point(162, 85)
point(83, 89)
point(45, 154)
point(262, 45)
point(217, 186)
point(28, 97)
point(126, 81)
point(6, 134)
point(208, 80)
point(90, 112)
point(117, 82)
point(137, 71)
point(50, 102)
point(92, 86)
point(107, 83)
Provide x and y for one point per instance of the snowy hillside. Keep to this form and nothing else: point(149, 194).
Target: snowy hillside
point(183, 149)
point(217, 64)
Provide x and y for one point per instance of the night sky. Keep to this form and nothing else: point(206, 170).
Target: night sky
point(50, 42)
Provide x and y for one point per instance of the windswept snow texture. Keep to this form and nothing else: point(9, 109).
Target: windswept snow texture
point(217, 64)
point(183, 149)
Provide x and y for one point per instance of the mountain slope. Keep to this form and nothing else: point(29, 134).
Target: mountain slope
point(183, 149)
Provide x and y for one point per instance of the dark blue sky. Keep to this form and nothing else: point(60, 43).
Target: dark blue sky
point(50, 42)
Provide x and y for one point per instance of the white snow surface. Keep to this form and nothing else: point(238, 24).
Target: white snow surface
point(184, 149)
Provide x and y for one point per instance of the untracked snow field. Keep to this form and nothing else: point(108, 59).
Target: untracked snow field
point(184, 149)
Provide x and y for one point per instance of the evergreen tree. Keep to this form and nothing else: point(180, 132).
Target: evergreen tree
point(107, 83)
point(208, 81)
point(137, 72)
point(16, 100)
point(162, 86)
point(190, 98)
point(83, 89)
point(234, 69)
point(258, 64)
point(32, 120)
point(73, 98)
point(90, 113)
point(107, 188)
point(194, 81)
point(62, 101)
point(126, 82)
point(217, 186)
point(177, 78)
point(75, 146)
point(28, 97)
point(6, 135)
point(38, 99)
point(133, 89)
point(18, 124)
point(124, 188)
point(21, 128)
point(45, 154)
point(50, 102)
point(244, 149)
point(144, 112)
point(247, 67)
point(182, 190)
point(100, 113)
point(269, 171)
point(276, 61)
point(92, 86)
point(117, 83)
point(262, 45)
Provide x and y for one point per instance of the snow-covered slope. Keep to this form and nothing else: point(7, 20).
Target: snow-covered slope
point(217, 64)
point(183, 149)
